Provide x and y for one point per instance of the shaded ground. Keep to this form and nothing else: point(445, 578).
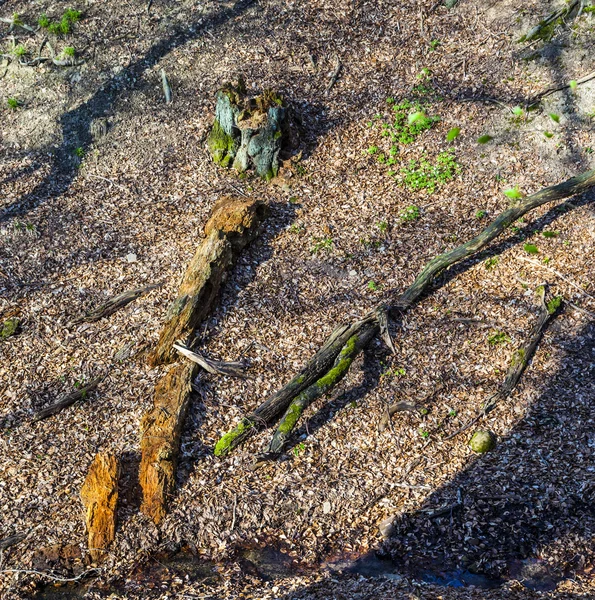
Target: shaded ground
point(83, 219)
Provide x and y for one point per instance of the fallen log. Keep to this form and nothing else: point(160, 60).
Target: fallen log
point(233, 224)
point(100, 499)
point(161, 429)
point(366, 328)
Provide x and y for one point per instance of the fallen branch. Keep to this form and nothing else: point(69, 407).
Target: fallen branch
point(539, 97)
point(520, 357)
point(334, 74)
point(67, 400)
point(322, 362)
point(12, 540)
point(114, 304)
point(406, 406)
point(215, 367)
point(557, 15)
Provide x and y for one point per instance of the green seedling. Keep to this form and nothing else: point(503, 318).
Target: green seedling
point(498, 338)
point(453, 134)
point(411, 213)
point(530, 249)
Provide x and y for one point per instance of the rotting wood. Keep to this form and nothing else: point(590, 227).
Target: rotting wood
point(100, 499)
point(539, 31)
point(234, 223)
point(160, 430)
point(270, 411)
point(114, 304)
point(68, 400)
point(548, 309)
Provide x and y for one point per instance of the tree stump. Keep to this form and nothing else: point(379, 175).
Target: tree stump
point(248, 132)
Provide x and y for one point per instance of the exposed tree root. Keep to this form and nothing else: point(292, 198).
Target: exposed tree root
point(323, 361)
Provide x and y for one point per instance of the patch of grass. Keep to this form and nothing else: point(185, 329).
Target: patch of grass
point(321, 244)
point(490, 263)
point(12, 103)
point(411, 213)
point(64, 25)
point(19, 50)
point(401, 130)
point(499, 337)
point(69, 51)
point(423, 175)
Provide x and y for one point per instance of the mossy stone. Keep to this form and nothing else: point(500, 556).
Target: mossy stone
point(482, 441)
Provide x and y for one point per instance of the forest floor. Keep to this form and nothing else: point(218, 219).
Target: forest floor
point(84, 217)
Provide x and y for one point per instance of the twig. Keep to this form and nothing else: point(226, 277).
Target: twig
point(558, 274)
point(13, 539)
point(50, 576)
point(216, 367)
point(68, 400)
point(114, 304)
point(235, 505)
point(166, 87)
point(405, 406)
point(550, 91)
point(334, 74)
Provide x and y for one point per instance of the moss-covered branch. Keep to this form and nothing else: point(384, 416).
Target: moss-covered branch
point(268, 412)
point(323, 385)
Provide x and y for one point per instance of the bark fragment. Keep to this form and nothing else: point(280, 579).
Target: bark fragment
point(100, 498)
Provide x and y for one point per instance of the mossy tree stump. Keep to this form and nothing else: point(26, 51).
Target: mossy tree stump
point(248, 132)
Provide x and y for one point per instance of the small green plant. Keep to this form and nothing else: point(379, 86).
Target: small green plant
point(19, 50)
point(373, 150)
point(373, 286)
point(548, 134)
point(550, 234)
point(498, 338)
point(490, 263)
point(453, 134)
point(554, 117)
point(423, 175)
point(513, 193)
point(69, 51)
point(434, 44)
point(480, 214)
point(424, 412)
point(396, 372)
point(294, 200)
point(80, 152)
point(296, 228)
point(321, 244)
point(411, 213)
point(299, 448)
point(13, 103)
point(452, 413)
point(424, 434)
point(546, 260)
point(383, 226)
point(572, 84)
point(588, 150)
point(484, 139)
point(43, 21)
point(62, 27)
point(424, 73)
point(300, 169)
point(530, 249)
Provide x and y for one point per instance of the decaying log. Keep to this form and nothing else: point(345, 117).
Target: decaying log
point(160, 429)
point(233, 224)
point(248, 132)
point(100, 499)
point(68, 400)
point(268, 412)
point(113, 304)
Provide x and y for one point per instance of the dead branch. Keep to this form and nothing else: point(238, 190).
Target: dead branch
point(12, 540)
point(334, 74)
point(68, 400)
point(114, 304)
point(322, 362)
point(215, 367)
point(552, 18)
point(407, 406)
